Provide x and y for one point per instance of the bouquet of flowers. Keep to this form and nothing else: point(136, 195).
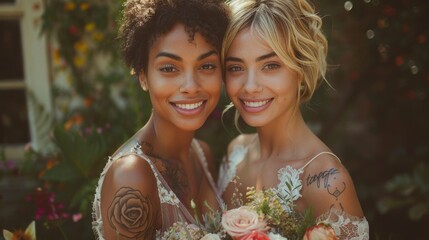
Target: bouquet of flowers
point(263, 217)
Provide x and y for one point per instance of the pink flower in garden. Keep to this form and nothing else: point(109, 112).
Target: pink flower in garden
point(321, 231)
point(46, 206)
point(241, 221)
point(77, 217)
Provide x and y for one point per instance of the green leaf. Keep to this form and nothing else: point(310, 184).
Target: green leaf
point(78, 151)
point(63, 172)
point(416, 212)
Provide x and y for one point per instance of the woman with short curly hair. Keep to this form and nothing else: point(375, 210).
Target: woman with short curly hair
point(173, 48)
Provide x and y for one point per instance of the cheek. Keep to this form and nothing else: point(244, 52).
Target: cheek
point(232, 86)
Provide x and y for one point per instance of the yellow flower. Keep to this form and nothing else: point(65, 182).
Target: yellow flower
point(89, 27)
point(29, 234)
point(98, 36)
point(84, 6)
point(80, 47)
point(79, 61)
point(57, 56)
point(69, 6)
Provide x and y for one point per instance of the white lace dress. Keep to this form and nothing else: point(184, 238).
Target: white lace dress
point(172, 210)
point(346, 226)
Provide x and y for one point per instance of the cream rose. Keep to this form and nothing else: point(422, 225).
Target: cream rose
point(241, 221)
point(211, 236)
point(320, 232)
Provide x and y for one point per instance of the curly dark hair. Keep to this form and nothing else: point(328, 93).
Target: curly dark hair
point(146, 20)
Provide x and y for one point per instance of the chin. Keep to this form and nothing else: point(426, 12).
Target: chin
point(253, 122)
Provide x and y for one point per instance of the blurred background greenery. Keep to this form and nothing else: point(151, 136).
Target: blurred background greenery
point(375, 119)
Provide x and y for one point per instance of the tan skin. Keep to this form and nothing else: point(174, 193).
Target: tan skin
point(264, 91)
point(184, 81)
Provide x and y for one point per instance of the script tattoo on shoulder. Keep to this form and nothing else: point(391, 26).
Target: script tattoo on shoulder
point(322, 177)
point(130, 214)
point(324, 180)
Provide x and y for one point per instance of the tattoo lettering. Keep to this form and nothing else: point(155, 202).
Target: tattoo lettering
point(325, 175)
point(130, 214)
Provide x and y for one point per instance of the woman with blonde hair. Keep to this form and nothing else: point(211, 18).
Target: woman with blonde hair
point(274, 55)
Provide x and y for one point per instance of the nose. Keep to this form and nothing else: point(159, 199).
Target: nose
point(190, 83)
point(252, 85)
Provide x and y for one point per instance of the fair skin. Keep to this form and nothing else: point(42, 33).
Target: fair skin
point(264, 91)
point(184, 82)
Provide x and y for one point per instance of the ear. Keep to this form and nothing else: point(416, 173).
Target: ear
point(143, 80)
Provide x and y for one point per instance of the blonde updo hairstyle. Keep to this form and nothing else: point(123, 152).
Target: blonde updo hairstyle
point(292, 29)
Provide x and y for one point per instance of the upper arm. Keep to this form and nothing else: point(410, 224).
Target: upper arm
point(129, 200)
point(327, 184)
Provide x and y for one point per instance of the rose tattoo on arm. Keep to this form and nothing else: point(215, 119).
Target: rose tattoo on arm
point(130, 214)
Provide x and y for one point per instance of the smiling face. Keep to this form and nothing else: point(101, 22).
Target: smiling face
point(183, 79)
point(263, 89)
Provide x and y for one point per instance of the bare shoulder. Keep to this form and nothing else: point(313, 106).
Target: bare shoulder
point(129, 199)
point(241, 140)
point(327, 184)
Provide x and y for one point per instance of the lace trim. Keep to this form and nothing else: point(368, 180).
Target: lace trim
point(228, 169)
point(346, 226)
point(289, 188)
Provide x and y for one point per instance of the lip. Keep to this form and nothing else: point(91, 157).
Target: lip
point(255, 105)
point(189, 108)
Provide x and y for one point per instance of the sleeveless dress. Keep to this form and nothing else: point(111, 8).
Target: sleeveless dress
point(346, 226)
point(172, 210)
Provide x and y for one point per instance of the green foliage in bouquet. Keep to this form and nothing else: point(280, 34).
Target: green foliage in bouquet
point(289, 224)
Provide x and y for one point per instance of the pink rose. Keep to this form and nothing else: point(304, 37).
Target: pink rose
point(241, 221)
point(255, 235)
point(320, 232)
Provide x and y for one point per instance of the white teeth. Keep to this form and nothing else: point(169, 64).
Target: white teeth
point(256, 104)
point(189, 106)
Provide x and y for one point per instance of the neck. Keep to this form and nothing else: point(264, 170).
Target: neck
point(164, 140)
point(283, 137)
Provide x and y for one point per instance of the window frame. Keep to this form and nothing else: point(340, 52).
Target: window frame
point(37, 77)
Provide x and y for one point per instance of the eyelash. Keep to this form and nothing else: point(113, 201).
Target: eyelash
point(208, 66)
point(234, 68)
point(271, 66)
point(267, 67)
point(168, 68)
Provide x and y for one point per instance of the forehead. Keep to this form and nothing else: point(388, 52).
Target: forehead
point(179, 41)
point(247, 42)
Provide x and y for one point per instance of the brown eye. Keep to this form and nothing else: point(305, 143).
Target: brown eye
point(168, 68)
point(234, 68)
point(271, 66)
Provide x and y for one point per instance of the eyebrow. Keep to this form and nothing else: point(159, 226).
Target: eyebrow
point(266, 56)
point(178, 58)
point(263, 57)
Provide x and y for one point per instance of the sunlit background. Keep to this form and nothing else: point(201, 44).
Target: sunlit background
point(67, 102)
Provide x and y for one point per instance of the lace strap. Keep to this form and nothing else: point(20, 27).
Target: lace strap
point(317, 155)
point(203, 161)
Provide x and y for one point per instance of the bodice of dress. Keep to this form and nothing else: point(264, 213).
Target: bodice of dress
point(289, 189)
point(172, 209)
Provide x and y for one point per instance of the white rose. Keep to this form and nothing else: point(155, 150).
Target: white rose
point(211, 236)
